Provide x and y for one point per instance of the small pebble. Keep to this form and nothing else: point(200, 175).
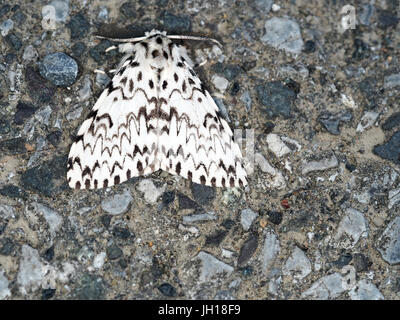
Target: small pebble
point(118, 203)
point(167, 290)
point(59, 68)
point(389, 150)
point(6, 27)
point(30, 53)
point(276, 98)
point(203, 195)
point(246, 99)
point(389, 244)
point(248, 249)
point(220, 83)
point(365, 290)
point(283, 33)
point(392, 81)
point(48, 293)
point(150, 191)
point(269, 251)
point(247, 217)
point(324, 164)
point(113, 252)
point(201, 217)
point(331, 121)
point(297, 265)
point(13, 41)
point(78, 26)
point(211, 267)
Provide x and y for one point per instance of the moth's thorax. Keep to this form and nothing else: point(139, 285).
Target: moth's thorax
point(157, 50)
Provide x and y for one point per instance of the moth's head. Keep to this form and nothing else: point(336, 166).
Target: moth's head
point(155, 32)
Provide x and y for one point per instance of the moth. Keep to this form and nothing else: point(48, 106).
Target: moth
point(155, 114)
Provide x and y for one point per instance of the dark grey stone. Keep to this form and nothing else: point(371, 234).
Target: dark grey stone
point(7, 247)
point(79, 26)
point(202, 194)
point(54, 137)
point(274, 216)
point(59, 68)
point(49, 254)
point(228, 224)
point(361, 50)
point(106, 220)
point(78, 49)
point(277, 99)
point(186, 203)
point(392, 122)
point(92, 288)
point(4, 10)
point(15, 8)
point(247, 271)
point(167, 198)
point(229, 71)
point(343, 260)
point(368, 87)
point(13, 41)
point(98, 52)
point(387, 19)
point(19, 17)
point(389, 150)
point(173, 23)
point(13, 191)
point(39, 89)
point(247, 250)
point(309, 46)
point(349, 166)
point(123, 263)
point(122, 233)
point(24, 111)
point(48, 293)
point(114, 252)
point(4, 126)
point(167, 290)
point(234, 89)
point(3, 227)
point(216, 238)
point(13, 146)
point(45, 177)
point(361, 262)
point(331, 121)
point(128, 9)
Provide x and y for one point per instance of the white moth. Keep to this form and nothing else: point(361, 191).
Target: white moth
point(155, 114)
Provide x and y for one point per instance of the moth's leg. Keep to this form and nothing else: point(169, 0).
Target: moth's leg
point(111, 48)
point(103, 72)
point(200, 64)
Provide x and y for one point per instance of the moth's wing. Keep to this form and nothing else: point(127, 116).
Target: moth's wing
point(199, 144)
point(117, 140)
